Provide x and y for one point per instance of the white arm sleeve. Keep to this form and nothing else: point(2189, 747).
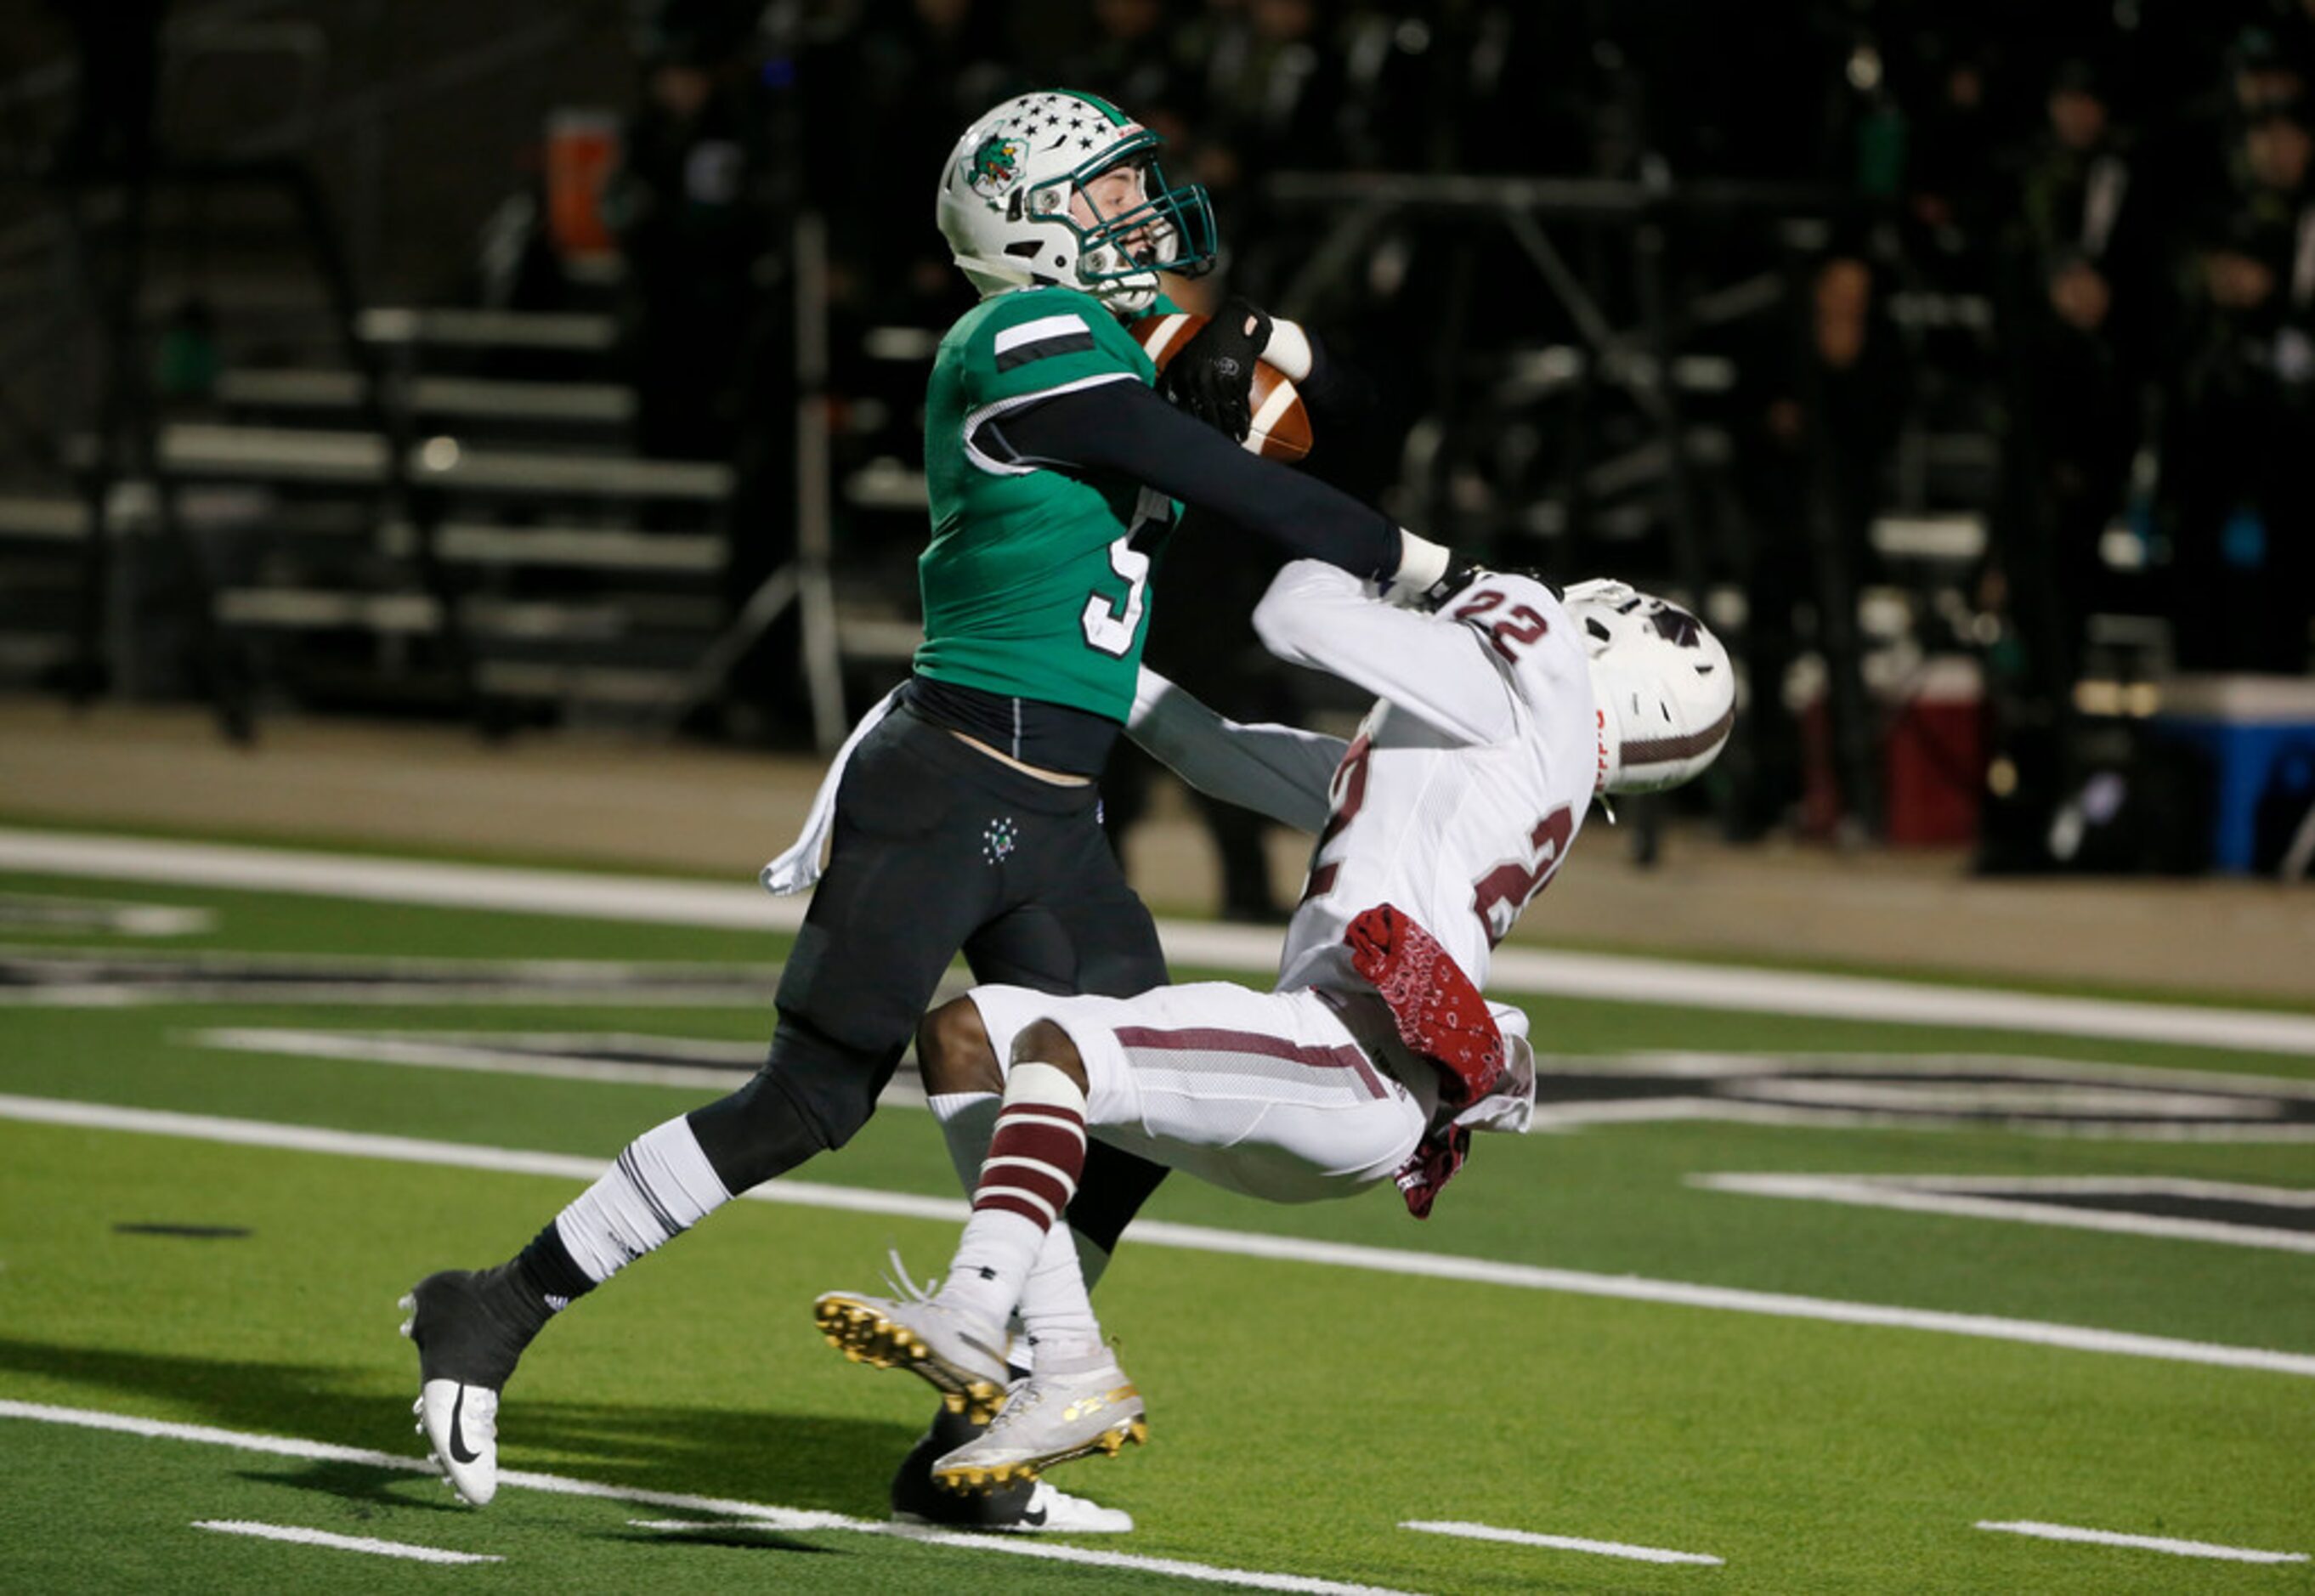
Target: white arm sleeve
point(1279, 771)
point(1434, 668)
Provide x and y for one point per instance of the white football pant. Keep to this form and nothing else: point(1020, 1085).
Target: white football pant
point(1273, 1094)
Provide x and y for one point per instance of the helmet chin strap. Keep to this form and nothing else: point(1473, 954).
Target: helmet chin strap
point(992, 276)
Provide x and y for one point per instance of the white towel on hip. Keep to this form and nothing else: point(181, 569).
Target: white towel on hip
point(800, 866)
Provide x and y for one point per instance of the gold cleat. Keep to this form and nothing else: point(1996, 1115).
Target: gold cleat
point(940, 1345)
point(1040, 1427)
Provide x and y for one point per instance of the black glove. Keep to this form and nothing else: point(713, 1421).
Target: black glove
point(1214, 374)
point(1462, 571)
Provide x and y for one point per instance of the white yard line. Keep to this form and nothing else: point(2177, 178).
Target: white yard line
point(103, 994)
point(1563, 1543)
point(341, 1542)
point(1248, 950)
point(749, 1512)
point(1869, 1191)
point(472, 1053)
point(2149, 1543)
point(22, 911)
point(642, 899)
point(2111, 1185)
point(1193, 1238)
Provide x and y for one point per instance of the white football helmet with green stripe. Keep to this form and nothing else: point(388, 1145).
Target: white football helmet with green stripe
point(1004, 203)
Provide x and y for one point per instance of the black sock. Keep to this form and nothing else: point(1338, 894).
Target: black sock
point(548, 1274)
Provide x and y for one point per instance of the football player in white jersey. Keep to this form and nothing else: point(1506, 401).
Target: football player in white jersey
point(1500, 714)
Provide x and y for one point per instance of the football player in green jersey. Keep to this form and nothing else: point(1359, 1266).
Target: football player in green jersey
point(962, 814)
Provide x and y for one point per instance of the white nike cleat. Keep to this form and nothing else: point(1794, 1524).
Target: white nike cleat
point(959, 1353)
point(1052, 1511)
point(468, 1343)
point(1048, 1418)
point(460, 1423)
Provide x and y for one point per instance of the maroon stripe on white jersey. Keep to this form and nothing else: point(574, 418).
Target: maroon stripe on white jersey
point(1210, 1039)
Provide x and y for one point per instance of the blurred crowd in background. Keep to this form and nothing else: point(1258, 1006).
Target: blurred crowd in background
point(2082, 234)
point(1808, 266)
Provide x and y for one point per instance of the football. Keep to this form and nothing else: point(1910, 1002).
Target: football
point(1281, 421)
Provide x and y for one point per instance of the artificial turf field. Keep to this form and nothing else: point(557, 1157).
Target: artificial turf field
point(1577, 1380)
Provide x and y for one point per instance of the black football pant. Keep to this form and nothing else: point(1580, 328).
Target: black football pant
point(937, 848)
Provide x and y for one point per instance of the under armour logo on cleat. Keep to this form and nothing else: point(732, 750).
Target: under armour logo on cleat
point(988, 1274)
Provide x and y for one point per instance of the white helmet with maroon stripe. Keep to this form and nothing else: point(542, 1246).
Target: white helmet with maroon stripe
point(1662, 682)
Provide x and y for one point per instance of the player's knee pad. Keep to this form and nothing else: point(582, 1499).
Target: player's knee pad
point(812, 1093)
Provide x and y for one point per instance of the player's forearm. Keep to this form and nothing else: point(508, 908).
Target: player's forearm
point(1126, 428)
point(1433, 668)
point(1279, 771)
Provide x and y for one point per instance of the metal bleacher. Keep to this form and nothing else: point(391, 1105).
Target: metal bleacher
point(492, 542)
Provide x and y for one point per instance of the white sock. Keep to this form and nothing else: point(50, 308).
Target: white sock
point(661, 1186)
point(1034, 1158)
point(967, 1121)
point(1056, 1312)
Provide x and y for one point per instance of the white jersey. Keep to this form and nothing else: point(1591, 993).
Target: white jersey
point(1464, 789)
point(1456, 803)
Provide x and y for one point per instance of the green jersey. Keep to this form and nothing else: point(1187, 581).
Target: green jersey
point(1035, 584)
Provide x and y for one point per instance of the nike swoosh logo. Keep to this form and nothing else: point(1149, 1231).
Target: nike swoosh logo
point(1035, 1518)
point(458, 1451)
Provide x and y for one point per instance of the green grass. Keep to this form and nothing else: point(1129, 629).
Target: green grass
point(1809, 1456)
point(1300, 1412)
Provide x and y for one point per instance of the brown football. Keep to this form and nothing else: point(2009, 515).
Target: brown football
point(1281, 421)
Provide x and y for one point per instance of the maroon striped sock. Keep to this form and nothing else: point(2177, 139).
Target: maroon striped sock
point(1027, 1181)
point(1033, 1163)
